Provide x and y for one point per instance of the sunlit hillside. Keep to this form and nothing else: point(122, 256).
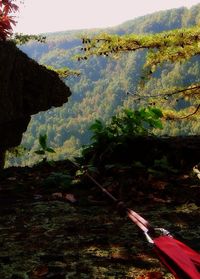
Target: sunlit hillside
point(101, 89)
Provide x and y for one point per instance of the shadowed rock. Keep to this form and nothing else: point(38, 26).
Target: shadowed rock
point(25, 89)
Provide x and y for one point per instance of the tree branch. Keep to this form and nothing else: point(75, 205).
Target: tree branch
point(183, 117)
point(194, 112)
point(165, 94)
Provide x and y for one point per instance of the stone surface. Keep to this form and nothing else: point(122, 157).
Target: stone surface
point(178, 151)
point(25, 89)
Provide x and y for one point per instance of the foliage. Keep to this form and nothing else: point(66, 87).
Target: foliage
point(8, 9)
point(64, 72)
point(121, 128)
point(173, 46)
point(130, 122)
point(7, 19)
point(21, 39)
point(44, 148)
point(100, 91)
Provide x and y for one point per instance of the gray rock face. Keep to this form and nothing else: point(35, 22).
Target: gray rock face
point(25, 89)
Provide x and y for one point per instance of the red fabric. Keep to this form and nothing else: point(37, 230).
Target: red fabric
point(193, 255)
point(181, 260)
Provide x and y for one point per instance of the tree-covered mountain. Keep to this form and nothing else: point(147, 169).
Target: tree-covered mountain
point(100, 90)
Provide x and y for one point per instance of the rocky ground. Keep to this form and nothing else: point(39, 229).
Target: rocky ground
point(54, 225)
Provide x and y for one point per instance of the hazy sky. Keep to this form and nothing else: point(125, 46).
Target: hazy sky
point(37, 16)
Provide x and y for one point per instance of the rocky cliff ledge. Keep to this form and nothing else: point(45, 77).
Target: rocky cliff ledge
point(25, 89)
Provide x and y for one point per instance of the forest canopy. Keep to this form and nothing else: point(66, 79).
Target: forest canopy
point(174, 46)
point(105, 85)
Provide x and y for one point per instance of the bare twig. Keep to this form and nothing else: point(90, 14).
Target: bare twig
point(194, 112)
point(163, 95)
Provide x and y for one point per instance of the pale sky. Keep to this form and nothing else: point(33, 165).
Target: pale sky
point(40, 16)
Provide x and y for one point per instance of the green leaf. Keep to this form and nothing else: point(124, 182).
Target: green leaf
point(50, 150)
point(40, 152)
point(157, 112)
point(43, 141)
point(97, 126)
point(129, 113)
point(158, 124)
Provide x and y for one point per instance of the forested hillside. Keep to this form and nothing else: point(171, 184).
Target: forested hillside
point(101, 89)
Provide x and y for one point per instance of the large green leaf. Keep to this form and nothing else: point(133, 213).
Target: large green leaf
point(50, 150)
point(43, 141)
